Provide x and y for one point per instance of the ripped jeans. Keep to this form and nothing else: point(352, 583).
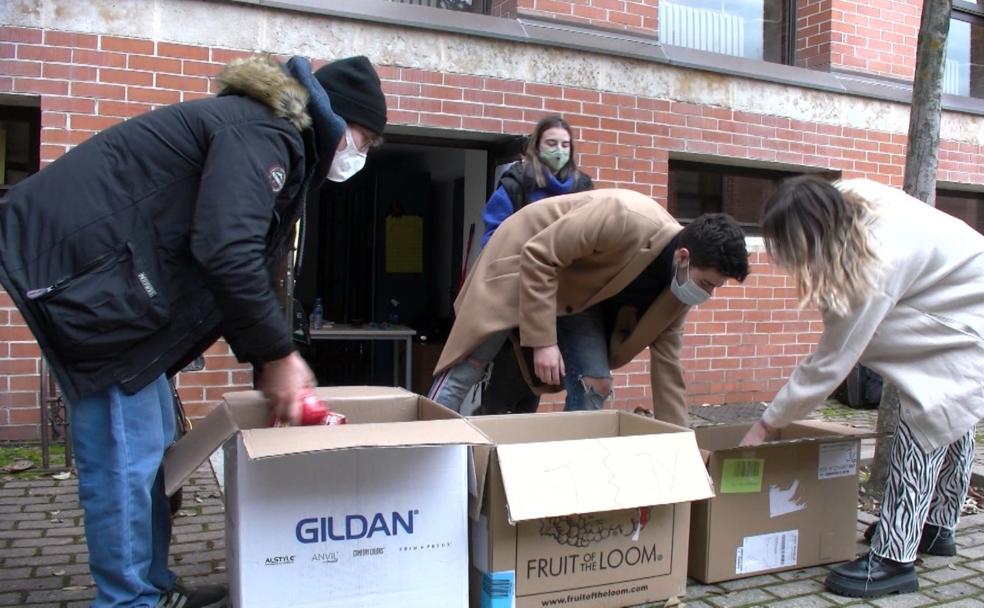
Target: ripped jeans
point(583, 344)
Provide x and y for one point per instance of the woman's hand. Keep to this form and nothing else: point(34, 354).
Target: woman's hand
point(759, 433)
point(548, 364)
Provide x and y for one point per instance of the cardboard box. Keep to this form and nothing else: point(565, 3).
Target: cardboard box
point(584, 509)
point(372, 513)
point(786, 504)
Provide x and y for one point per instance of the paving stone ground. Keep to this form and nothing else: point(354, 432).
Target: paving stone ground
point(43, 557)
point(43, 553)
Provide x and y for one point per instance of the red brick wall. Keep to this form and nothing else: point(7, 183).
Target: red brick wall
point(638, 16)
point(18, 374)
point(740, 346)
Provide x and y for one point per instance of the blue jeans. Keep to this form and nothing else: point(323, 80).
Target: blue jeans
point(583, 344)
point(119, 442)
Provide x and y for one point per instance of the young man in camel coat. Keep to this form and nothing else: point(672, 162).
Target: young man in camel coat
point(587, 281)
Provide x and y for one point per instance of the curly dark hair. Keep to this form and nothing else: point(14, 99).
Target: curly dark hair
point(715, 240)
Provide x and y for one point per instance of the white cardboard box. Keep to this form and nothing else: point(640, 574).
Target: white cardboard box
point(373, 513)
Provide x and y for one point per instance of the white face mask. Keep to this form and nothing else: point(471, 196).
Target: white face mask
point(688, 293)
point(348, 161)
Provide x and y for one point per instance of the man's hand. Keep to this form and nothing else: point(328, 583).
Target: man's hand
point(548, 364)
point(759, 433)
point(282, 381)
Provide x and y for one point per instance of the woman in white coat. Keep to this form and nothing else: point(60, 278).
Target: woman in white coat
point(900, 286)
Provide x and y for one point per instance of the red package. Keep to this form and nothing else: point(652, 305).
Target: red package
point(314, 411)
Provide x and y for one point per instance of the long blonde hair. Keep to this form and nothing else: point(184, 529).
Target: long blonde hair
point(822, 239)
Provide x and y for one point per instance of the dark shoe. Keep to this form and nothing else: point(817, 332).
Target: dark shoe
point(934, 541)
point(872, 576)
point(937, 541)
point(202, 596)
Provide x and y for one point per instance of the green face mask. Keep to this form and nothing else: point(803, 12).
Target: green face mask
point(555, 158)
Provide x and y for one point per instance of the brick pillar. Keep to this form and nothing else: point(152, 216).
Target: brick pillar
point(636, 16)
point(977, 61)
point(503, 8)
point(814, 22)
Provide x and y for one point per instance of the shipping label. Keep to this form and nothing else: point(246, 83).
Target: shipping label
point(767, 552)
point(838, 460)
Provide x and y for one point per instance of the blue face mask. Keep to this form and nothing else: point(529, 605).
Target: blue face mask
point(688, 292)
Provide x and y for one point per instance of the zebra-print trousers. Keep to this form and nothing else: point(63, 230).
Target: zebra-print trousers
point(922, 488)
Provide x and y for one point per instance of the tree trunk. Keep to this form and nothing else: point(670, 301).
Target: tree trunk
point(919, 181)
point(927, 91)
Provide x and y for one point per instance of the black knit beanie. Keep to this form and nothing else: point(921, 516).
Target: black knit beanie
point(353, 87)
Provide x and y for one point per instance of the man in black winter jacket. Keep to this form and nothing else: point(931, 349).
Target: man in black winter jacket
point(135, 251)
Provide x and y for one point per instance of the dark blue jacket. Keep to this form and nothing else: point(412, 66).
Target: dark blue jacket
point(517, 188)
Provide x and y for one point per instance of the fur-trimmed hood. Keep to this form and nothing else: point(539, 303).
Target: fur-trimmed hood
point(264, 79)
point(292, 93)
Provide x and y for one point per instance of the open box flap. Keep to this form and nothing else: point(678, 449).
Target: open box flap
point(272, 443)
point(558, 478)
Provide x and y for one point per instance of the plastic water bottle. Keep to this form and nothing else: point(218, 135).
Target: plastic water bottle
point(317, 315)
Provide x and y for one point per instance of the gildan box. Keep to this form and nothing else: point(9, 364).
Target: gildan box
point(371, 513)
point(789, 503)
point(584, 509)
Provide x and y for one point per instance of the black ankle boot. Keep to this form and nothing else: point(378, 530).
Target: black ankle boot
point(872, 576)
point(937, 541)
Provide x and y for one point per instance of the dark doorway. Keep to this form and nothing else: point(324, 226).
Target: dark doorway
point(386, 249)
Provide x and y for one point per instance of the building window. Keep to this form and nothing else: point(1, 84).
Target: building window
point(968, 206)
point(755, 29)
point(466, 6)
point(963, 67)
point(698, 188)
point(20, 147)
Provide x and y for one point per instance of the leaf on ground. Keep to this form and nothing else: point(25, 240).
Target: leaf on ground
point(62, 476)
point(18, 465)
point(970, 507)
point(673, 602)
point(58, 573)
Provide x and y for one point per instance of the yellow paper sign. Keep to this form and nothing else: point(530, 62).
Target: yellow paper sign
point(404, 244)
